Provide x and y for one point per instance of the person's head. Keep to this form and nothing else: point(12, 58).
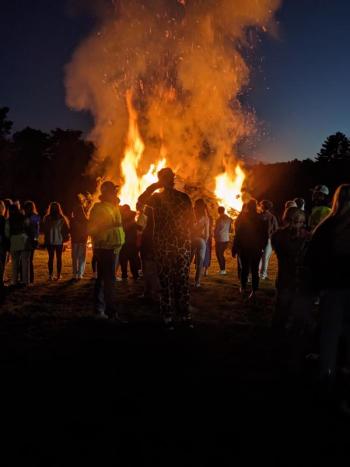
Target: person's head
point(341, 200)
point(251, 207)
point(55, 210)
point(294, 218)
point(29, 208)
point(13, 210)
point(266, 205)
point(109, 192)
point(221, 210)
point(166, 178)
point(200, 208)
point(290, 204)
point(300, 202)
point(320, 195)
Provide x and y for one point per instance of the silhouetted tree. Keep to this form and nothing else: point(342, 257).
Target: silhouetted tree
point(5, 124)
point(336, 147)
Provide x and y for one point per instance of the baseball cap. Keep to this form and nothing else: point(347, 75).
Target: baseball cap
point(321, 189)
point(108, 187)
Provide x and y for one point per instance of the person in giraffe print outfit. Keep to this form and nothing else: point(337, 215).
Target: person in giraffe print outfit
point(172, 220)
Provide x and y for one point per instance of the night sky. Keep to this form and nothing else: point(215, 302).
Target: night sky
point(300, 90)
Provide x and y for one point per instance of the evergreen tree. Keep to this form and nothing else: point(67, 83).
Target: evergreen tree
point(336, 147)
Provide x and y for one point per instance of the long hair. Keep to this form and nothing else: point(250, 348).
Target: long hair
point(55, 211)
point(2, 208)
point(30, 208)
point(341, 201)
point(200, 208)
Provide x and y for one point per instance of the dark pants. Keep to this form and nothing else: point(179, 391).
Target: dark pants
point(31, 267)
point(173, 268)
point(2, 266)
point(52, 249)
point(335, 323)
point(129, 254)
point(105, 289)
point(250, 260)
point(220, 248)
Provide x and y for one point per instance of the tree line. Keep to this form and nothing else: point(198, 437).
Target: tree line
point(53, 166)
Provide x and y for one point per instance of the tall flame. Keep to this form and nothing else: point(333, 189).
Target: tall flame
point(229, 189)
point(134, 184)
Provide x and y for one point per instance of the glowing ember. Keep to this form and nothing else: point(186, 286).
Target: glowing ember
point(134, 184)
point(228, 190)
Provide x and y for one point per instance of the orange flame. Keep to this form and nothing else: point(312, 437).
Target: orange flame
point(134, 184)
point(229, 189)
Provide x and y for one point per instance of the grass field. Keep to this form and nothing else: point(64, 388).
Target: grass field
point(77, 391)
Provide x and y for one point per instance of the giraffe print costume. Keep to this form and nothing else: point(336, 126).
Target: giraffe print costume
point(172, 224)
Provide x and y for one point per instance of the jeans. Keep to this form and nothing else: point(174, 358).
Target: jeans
point(335, 322)
point(52, 249)
point(78, 259)
point(220, 248)
point(264, 263)
point(250, 259)
point(20, 264)
point(199, 249)
point(105, 297)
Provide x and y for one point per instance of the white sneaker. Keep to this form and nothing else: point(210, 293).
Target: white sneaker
point(197, 285)
point(223, 272)
point(101, 315)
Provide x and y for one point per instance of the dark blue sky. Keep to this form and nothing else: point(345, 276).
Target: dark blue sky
point(300, 91)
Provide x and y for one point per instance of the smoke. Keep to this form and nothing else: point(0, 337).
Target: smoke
point(183, 61)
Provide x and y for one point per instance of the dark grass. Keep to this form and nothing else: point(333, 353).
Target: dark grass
point(78, 391)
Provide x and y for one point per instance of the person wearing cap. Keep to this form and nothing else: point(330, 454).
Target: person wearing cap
point(223, 228)
point(266, 207)
point(172, 221)
point(105, 228)
point(320, 208)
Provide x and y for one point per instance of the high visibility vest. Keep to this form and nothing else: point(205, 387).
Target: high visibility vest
point(112, 238)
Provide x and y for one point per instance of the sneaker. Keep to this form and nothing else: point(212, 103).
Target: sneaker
point(223, 272)
point(118, 279)
point(197, 285)
point(50, 278)
point(101, 315)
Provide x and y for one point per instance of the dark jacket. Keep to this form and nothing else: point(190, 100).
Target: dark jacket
point(329, 254)
point(251, 233)
point(272, 223)
point(4, 242)
point(290, 251)
point(79, 225)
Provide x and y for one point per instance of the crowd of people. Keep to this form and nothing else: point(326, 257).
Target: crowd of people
point(167, 233)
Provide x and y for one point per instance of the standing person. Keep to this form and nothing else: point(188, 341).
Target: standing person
point(129, 252)
point(200, 238)
point(3, 246)
point(106, 230)
point(56, 232)
point(223, 227)
point(173, 223)
point(266, 207)
point(145, 222)
point(209, 245)
point(329, 260)
point(320, 206)
point(16, 230)
point(290, 244)
point(251, 236)
point(33, 223)
point(79, 236)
